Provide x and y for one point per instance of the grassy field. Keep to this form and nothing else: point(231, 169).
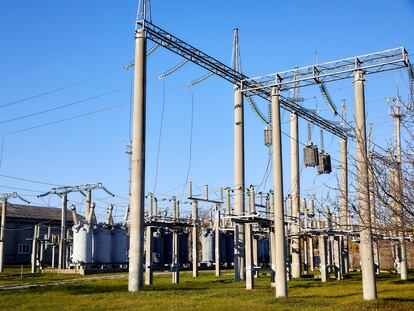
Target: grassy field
point(205, 293)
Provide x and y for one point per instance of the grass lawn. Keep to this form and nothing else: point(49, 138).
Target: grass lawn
point(209, 293)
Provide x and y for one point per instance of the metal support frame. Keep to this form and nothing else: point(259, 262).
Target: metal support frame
point(178, 46)
point(371, 63)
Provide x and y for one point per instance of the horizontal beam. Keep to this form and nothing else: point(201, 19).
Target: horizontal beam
point(183, 49)
point(372, 63)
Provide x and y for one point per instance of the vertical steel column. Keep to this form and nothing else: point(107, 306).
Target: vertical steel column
point(194, 239)
point(2, 233)
point(239, 273)
point(137, 200)
point(217, 240)
point(63, 238)
point(280, 279)
point(295, 193)
point(366, 253)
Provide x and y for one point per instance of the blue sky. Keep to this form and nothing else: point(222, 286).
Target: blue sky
point(50, 44)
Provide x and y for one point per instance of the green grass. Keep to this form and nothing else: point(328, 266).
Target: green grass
point(210, 293)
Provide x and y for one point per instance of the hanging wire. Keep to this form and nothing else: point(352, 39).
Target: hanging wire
point(173, 69)
point(159, 136)
point(190, 143)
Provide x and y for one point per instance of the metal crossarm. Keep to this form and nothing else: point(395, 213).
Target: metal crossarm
point(174, 44)
point(387, 60)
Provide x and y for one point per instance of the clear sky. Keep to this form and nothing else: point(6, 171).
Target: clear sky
point(51, 44)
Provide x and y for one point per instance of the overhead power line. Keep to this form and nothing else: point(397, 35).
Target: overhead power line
point(61, 88)
point(64, 106)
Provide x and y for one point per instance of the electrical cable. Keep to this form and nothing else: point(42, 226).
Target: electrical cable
point(61, 88)
point(64, 106)
point(159, 136)
point(190, 143)
point(56, 122)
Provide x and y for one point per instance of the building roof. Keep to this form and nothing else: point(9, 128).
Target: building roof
point(36, 213)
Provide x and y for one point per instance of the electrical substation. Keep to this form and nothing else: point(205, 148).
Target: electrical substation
point(275, 233)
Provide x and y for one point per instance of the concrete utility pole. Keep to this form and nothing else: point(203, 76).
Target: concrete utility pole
point(310, 239)
point(176, 245)
point(399, 196)
point(2, 233)
point(343, 195)
point(239, 273)
point(372, 196)
point(63, 237)
point(34, 248)
point(136, 251)
point(194, 233)
point(88, 203)
point(322, 255)
point(217, 240)
point(249, 243)
point(148, 245)
point(366, 252)
point(295, 188)
point(228, 206)
point(272, 242)
point(279, 217)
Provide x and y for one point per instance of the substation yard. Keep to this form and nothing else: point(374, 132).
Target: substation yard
point(206, 292)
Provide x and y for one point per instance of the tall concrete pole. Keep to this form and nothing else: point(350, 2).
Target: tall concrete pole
point(88, 203)
point(176, 246)
point(372, 195)
point(228, 206)
point(343, 195)
point(217, 241)
point(239, 273)
point(403, 250)
point(323, 258)
point(194, 239)
point(311, 239)
point(34, 248)
point(63, 237)
point(2, 233)
point(366, 252)
point(272, 242)
point(249, 244)
point(279, 217)
point(136, 251)
point(295, 186)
